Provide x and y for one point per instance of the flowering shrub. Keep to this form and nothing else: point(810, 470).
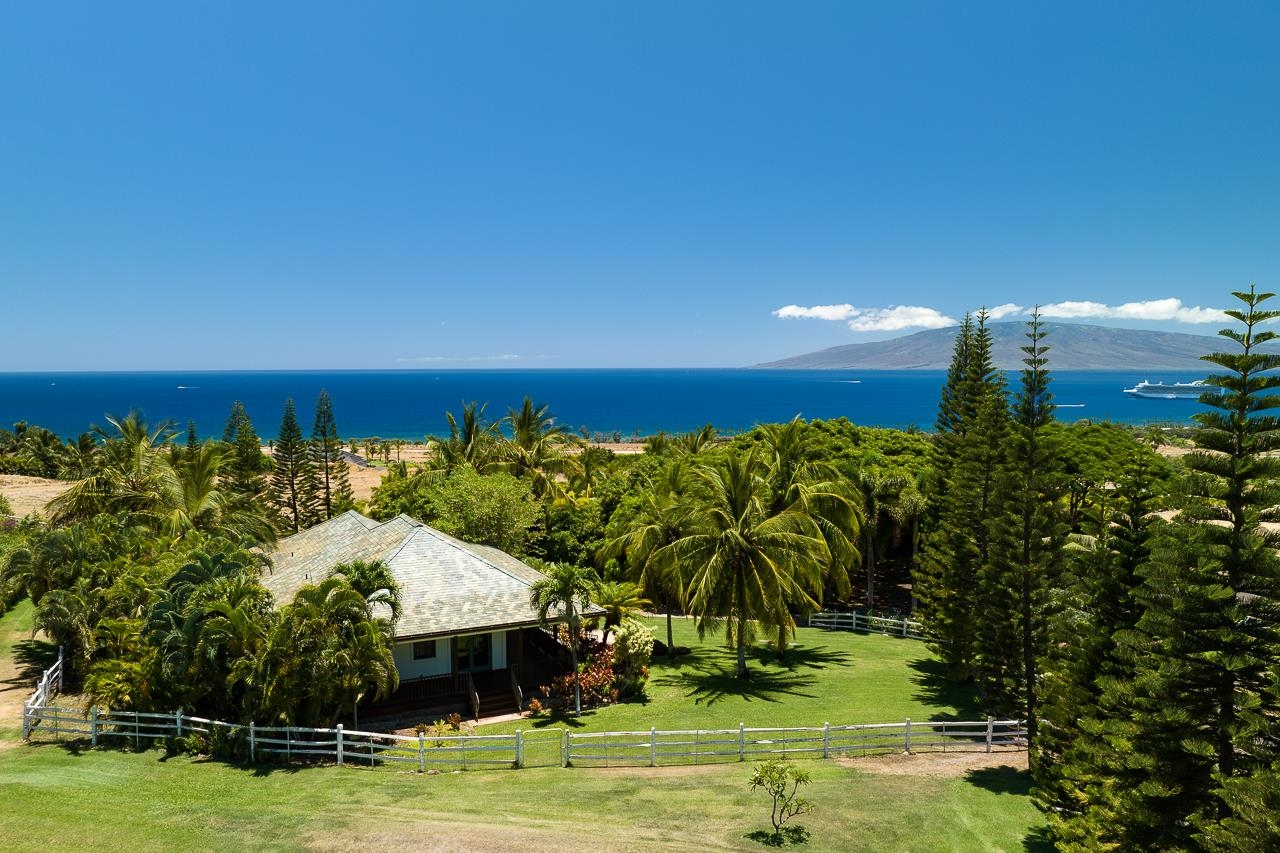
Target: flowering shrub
point(632, 651)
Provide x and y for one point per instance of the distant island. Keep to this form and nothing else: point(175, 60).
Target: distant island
point(1073, 346)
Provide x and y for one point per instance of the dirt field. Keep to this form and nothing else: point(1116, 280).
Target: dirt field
point(938, 765)
point(30, 494)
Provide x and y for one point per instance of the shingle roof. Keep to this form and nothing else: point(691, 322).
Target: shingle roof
point(447, 586)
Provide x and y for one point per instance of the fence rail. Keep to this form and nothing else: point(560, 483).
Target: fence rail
point(532, 748)
point(50, 684)
point(899, 627)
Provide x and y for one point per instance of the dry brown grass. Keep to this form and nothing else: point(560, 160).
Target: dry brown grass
point(30, 494)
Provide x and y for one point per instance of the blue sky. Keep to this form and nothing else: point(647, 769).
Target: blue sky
point(432, 184)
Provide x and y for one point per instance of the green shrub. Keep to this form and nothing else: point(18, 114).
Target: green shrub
point(632, 651)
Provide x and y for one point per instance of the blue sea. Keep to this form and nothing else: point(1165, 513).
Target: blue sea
point(410, 404)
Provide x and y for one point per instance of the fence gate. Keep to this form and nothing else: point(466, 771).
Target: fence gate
point(542, 747)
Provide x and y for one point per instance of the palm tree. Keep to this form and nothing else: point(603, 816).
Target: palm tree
point(566, 590)
point(618, 599)
point(799, 479)
point(324, 655)
point(474, 443)
point(129, 473)
point(536, 448)
point(661, 520)
point(745, 564)
point(880, 490)
point(373, 579)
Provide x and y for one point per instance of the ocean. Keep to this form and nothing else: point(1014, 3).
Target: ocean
point(410, 404)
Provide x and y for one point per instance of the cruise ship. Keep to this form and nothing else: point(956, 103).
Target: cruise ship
point(1176, 391)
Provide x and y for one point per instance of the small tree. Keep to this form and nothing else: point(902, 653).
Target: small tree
point(782, 781)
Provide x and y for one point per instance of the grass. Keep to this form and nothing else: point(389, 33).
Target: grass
point(55, 796)
point(67, 795)
point(829, 676)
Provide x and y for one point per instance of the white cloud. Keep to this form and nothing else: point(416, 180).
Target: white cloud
point(892, 319)
point(899, 317)
point(1151, 309)
point(1006, 310)
point(817, 312)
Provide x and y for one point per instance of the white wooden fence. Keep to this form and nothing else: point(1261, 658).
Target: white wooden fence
point(532, 748)
point(50, 684)
point(899, 626)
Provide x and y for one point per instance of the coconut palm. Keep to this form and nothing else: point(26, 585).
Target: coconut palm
point(800, 480)
point(744, 564)
point(536, 448)
point(618, 599)
point(474, 443)
point(561, 595)
point(662, 519)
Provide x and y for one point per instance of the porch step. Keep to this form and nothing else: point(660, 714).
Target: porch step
point(497, 704)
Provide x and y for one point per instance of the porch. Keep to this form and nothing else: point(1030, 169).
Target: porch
point(484, 675)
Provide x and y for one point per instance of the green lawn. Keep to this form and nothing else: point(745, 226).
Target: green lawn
point(56, 797)
point(833, 677)
point(69, 796)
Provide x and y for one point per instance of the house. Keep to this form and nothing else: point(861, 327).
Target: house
point(467, 637)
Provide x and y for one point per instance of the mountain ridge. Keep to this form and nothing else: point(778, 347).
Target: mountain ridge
point(1072, 346)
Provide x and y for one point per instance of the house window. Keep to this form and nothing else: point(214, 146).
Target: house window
point(424, 649)
point(473, 653)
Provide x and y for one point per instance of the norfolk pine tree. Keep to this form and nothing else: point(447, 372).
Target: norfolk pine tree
point(326, 457)
point(1204, 701)
point(1028, 531)
point(294, 492)
point(245, 470)
point(1081, 763)
point(972, 420)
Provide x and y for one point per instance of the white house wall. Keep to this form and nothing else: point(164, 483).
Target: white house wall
point(442, 663)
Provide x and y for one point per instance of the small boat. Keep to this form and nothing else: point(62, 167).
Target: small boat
point(1176, 391)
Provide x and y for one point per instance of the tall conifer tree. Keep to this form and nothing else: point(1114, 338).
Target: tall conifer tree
point(1203, 705)
point(245, 470)
point(326, 457)
point(1028, 530)
point(1076, 778)
point(294, 491)
point(972, 420)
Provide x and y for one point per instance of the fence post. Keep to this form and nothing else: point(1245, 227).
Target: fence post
point(26, 721)
point(564, 757)
point(340, 745)
point(59, 669)
point(742, 743)
point(908, 737)
point(519, 748)
point(904, 626)
point(826, 740)
point(93, 726)
point(422, 753)
point(990, 720)
point(177, 721)
point(253, 746)
point(653, 747)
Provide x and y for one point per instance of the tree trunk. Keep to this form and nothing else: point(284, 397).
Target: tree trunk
point(869, 558)
point(577, 691)
point(671, 647)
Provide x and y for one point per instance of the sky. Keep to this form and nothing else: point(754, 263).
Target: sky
point(603, 184)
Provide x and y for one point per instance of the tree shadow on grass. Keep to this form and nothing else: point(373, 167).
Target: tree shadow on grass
point(33, 657)
point(1038, 841)
point(560, 719)
point(787, 836)
point(1001, 780)
point(806, 657)
point(709, 683)
point(934, 688)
